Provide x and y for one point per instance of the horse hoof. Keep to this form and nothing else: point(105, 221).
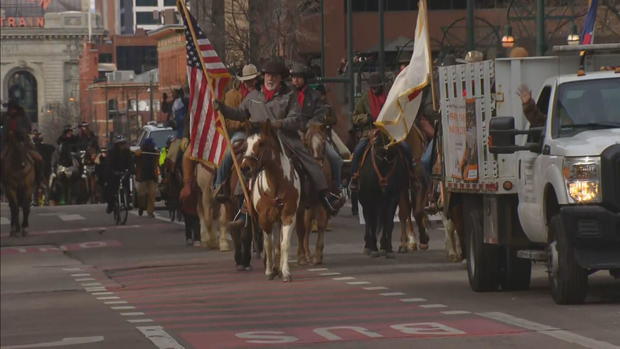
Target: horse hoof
point(413, 247)
point(24, 233)
point(375, 254)
point(366, 251)
point(271, 276)
point(402, 249)
point(247, 268)
point(423, 247)
point(390, 255)
point(287, 278)
point(317, 261)
point(302, 261)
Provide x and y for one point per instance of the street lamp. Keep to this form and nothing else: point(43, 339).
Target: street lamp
point(573, 37)
point(508, 41)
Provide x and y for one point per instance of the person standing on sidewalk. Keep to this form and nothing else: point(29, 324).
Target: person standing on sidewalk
point(146, 176)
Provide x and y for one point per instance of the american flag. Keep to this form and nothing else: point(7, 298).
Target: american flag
point(587, 36)
point(207, 141)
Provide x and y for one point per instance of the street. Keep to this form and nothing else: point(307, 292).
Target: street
point(78, 281)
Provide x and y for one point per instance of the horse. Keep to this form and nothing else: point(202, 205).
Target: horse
point(312, 210)
point(383, 177)
point(205, 175)
point(172, 180)
point(63, 182)
point(18, 182)
point(275, 188)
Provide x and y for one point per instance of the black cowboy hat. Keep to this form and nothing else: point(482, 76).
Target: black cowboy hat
point(300, 70)
point(404, 57)
point(375, 80)
point(275, 66)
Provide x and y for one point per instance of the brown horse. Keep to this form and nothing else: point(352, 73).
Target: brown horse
point(314, 139)
point(275, 189)
point(18, 181)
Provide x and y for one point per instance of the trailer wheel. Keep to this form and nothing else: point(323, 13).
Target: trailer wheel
point(482, 259)
point(569, 281)
point(516, 272)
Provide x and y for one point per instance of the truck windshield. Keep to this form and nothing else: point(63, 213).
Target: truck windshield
point(587, 105)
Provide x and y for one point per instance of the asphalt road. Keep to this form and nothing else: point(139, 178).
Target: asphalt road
point(78, 281)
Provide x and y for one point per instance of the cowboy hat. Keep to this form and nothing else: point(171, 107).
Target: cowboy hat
point(375, 80)
point(274, 66)
point(248, 72)
point(300, 70)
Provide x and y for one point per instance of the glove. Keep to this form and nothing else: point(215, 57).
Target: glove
point(360, 120)
point(277, 123)
point(217, 105)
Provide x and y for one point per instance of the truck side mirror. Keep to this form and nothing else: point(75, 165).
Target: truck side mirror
point(502, 132)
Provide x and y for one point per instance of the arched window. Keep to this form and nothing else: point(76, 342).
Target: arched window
point(22, 87)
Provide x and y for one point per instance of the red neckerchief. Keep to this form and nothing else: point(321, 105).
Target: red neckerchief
point(376, 102)
point(243, 90)
point(301, 96)
point(269, 94)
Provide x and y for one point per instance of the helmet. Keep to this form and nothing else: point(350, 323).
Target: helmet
point(170, 139)
point(300, 70)
point(67, 128)
point(119, 139)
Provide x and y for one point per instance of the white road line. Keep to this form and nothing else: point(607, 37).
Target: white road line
point(71, 217)
point(391, 294)
point(91, 284)
point(344, 278)
point(137, 313)
point(375, 288)
point(413, 300)
point(135, 321)
point(123, 307)
point(554, 332)
point(330, 274)
point(102, 293)
point(72, 269)
point(358, 282)
point(115, 302)
point(428, 306)
point(84, 279)
point(159, 337)
point(317, 269)
point(456, 312)
point(95, 289)
point(108, 298)
point(80, 275)
point(61, 343)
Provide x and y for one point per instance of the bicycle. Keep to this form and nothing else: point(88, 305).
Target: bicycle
point(122, 203)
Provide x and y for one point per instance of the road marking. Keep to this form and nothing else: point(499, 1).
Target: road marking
point(92, 284)
point(102, 293)
point(137, 321)
point(61, 343)
point(123, 307)
point(95, 289)
point(72, 269)
point(115, 302)
point(358, 282)
point(137, 313)
point(554, 332)
point(4, 221)
point(412, 300)
point(374, 288)
point(343, 278)
point(84, 279)
point(317, 269)
point(330, 274)
point(391, 294)
point(108, 298)
point(71, 217)
point(428, 306)
point(159, 337)
point(80, 275)
point(456, 312)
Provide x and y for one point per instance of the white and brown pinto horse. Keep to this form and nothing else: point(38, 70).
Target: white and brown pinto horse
point(275, 188)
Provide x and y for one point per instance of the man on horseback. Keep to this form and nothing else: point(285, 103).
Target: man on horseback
point(86, 137)
point(17, 128)
point(366, 112)
point(277, 103)
point(315, 110)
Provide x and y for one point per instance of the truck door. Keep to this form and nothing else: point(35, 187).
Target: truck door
point(531, 181)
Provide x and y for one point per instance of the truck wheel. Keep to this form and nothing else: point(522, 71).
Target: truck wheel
point(516, 272)
point(482, 259)
point(569, 281)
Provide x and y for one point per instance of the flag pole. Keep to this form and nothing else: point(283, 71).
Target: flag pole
point(429, 56)
point(246, 194)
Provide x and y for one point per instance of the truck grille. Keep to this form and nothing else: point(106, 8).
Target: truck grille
point(610, 171)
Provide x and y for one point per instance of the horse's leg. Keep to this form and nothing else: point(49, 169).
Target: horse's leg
point(269, 254)
point(205, 207)
point(388, 227)
point(236, 236)
point(301, 232)
point(371, 218)
point(246, 246)
point(450, 243)
point(287, 231)
point(322, 220)
point(309, 219)
point(14, 213)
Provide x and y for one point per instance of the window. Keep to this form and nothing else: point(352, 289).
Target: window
point(105, 58)
point(146, 2)
point(170, 2)
point(143, 18)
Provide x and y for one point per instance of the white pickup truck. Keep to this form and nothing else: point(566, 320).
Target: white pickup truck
point(549, 193)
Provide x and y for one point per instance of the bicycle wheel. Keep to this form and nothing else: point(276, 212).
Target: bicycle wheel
point(124, 207)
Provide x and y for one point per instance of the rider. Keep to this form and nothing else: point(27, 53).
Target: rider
point(277, 103)
point(146, 176)
point(233, 98)
point(86, 137)
point(179, 109)
point(16, 123)
point(118, 161)
point(315, 110)
point(366, 112)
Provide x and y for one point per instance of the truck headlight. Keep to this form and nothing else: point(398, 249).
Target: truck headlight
point(583, 177)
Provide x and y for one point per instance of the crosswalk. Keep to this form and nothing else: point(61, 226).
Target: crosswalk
point(213, 306)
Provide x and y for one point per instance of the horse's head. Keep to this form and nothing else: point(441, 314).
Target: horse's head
point(315, 139)
point(382, 147)
point(261, 149)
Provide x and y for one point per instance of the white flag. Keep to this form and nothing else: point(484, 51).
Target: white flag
point(403, 101)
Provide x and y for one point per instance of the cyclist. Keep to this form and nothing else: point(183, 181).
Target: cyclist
point(119, 161)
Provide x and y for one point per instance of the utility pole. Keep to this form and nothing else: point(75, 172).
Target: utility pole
point(471, 35)
point(350, 55)
point(541, 45)
point(151, 97)
point(107, 114)
point(381, 38)
point(323, 38)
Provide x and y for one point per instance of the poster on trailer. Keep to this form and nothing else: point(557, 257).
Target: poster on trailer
point(462, 138)
point(469, 166)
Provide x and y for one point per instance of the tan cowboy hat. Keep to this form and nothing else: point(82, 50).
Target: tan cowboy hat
point(248, 72)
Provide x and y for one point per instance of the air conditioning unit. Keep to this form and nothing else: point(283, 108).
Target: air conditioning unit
point(121, 75)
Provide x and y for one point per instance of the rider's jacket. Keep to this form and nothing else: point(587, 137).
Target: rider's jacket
point(67, 146)
point(86, 140)
point(312, 106)
point(119, 160)
point(17, 124)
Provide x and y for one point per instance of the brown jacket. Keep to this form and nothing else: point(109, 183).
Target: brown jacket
point(533, 115)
